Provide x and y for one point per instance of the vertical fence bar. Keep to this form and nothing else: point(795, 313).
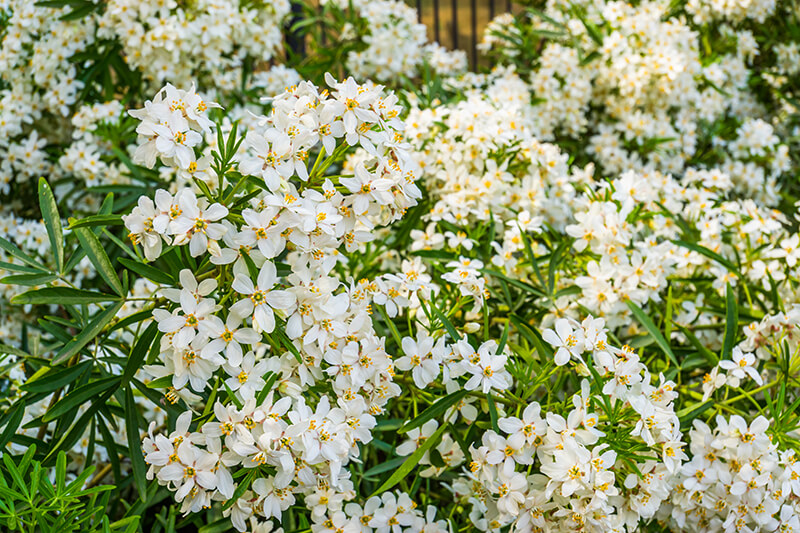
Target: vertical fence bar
point(454, 10)
point(436, 20)
point(491, 9)
point(294, 41)
point(419, 10)
point(474, 31)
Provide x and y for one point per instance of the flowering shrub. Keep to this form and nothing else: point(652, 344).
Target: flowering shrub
point(361, 289)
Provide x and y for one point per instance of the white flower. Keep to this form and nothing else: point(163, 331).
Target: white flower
point(262, 299)
point(568, 341)
point(198, 226)
point(488, 369)
point(247, 378)
point(741, 367)
point(417, 358)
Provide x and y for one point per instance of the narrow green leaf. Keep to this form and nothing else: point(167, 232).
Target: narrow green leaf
point(163, 382)
point(710, 356)
point(710, 254)
point(232, 397)
point(503, 339)
point(56, 378)
point(384, 467)
point(62, 296)
point(87, 334)
point(29, 280)
point(240, 489)
point(651, 328)
point(96, 220)
point(22, 269)
point(97, 255)
point(135, 444)
point(493, 412)
point(436, 409)
point(52, 221)
point(79, 396)
point(147, 271)
point(731, 321)
point(139, 351)
point(411, 462)
point(446, 323)
point(13, 424)
point(14, 250)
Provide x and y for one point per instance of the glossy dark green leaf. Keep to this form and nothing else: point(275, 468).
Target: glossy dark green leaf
point(56, 378)
point(29, 280)
point(147, 271)
point(62, 296)
point(438, 408)
point(97, 255)
point(14, 250)
point(87, 334)
point(135, 444)
point(651, 328)
point(96, 220)
point(731, 322)
point(139, 351)
point(411, 462)
point(52, 221)
point(80, 396)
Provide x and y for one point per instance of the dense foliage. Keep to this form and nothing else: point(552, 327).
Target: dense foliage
point(348, 286)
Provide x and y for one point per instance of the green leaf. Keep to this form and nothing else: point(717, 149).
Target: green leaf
point(436, 409)
point(87, 334)
point(29, 280)
point(52, 221)
point(5, 349)
point(56, 378)
point(710, 356)
point(135, 445)
point(13, 267)
point(651, 328)
point(13, 424)
point(139, 351)
point(710, 254)
point(232, 397)
point(97, 255)
point(446, 323)
point(96, 220)
point(503, 339)
point(692, 412)
point(493, 412)
point(62, 296)
point(147, 271)
point(240, 489)
point(79, 396)
point(731, 321)
point(412, 461)
point(384, 466)
point(163, 382)
point(14, 250)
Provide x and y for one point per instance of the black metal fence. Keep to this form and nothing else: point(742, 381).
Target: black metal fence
point(455, 24)
point(459, 24)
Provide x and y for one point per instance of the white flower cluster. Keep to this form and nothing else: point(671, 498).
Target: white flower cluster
point(737, 480)
point(481, 164)
point(84, 158)
point(306, 438)
point(585, 480)
point(178, 42)
point(705, 11)
point(633, 79)
point(395, 42)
